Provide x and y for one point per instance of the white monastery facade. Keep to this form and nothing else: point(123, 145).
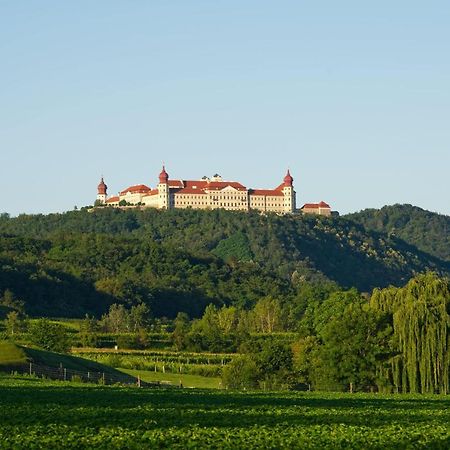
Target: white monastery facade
point(207, 193)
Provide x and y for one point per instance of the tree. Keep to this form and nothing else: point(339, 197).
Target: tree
point(227, 318)
point(240, 373)
point(267, 315)
point(13, 323)
point(182, 328)
point(139, 317)
point(10, 301)
point(353, 343)
point(89, 332)
point(49, 336)
point(421, 330)
point(274, 362)
point(304, 354)
point(117, 319)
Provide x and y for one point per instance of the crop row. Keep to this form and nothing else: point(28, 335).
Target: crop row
point(168, 357)
point(158, 365)
point(37, 414)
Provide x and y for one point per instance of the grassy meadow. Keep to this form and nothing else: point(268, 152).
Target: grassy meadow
point(188, 381)
point(49, 414)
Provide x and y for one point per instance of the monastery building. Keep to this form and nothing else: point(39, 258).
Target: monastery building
point(210, 193)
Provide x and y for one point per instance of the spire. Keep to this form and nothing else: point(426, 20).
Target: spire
point(163, 176)
point(288, 180)
point(101, 188)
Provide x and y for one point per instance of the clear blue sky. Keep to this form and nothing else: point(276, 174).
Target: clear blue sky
point(352, 96)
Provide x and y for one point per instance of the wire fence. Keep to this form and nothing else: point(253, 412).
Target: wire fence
point(65, 374)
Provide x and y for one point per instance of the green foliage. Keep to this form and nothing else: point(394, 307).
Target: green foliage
point(11, 302)
point(117, 319)
point(426, 230)
point(49, 336)
point(267, 364)
point(182, 260)
point(353, 342)
point(420, 318)
point(241, 373)
point(267, 315)
point(14, 324)
point(89, 332)
point(181, 330)
point(237, 247)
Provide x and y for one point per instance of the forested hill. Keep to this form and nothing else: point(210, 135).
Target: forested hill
point(181, 260)
point(428, 231)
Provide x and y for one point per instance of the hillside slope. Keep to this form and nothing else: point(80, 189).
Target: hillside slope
point(428, 231)
point(78, 262)
point(16, 355)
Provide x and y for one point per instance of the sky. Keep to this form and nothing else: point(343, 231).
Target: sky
point(353, 97)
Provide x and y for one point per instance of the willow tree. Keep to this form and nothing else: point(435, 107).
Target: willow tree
point(421, 329)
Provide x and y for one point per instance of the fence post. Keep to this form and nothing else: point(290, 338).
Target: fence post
point(31, 369)
point(139, 381)
point(65, 374)
point(89, 376)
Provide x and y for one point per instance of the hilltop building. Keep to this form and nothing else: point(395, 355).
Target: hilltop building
point(322, 209)
point(207, 193)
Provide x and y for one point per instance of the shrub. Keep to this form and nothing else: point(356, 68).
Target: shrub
point(240, 373)
point(49, 336)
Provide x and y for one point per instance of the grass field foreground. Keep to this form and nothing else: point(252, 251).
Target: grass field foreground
point(188, 381)
point(11, 354)
point(43, 414)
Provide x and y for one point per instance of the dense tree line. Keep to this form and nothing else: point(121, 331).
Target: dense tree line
point(182, 260)
point(428, 231)
point(71, 275)
point(396, 340)
point(324, 338)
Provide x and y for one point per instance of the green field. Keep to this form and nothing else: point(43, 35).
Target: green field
point(188, 381)
point(14, 357)
point(11, 354)
point(44, 414)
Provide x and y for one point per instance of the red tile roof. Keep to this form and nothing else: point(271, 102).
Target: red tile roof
point(112, 200)
point(151, 192)
point(163, 176)
point(175, 183)
point(266, 192)
point(188, 190)
point(288, 180)
point(219, 185)
point(201, 184)
point(139, 188)
point(315, 205)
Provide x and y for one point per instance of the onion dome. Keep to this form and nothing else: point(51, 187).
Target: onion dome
point(288, 180)
point(163, 176)
point(102, 187)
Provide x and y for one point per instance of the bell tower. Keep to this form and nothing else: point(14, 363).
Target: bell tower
point(289, 193)
point(102, 192)
point(163, 189)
